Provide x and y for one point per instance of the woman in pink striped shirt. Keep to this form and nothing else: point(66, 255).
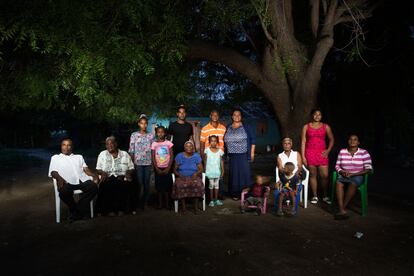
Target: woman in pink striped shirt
point(352, 164)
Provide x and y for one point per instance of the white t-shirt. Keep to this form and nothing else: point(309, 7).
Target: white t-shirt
point(69, 167)
point(293, 157)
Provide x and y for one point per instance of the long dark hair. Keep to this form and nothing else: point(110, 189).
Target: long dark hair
point(313, 111)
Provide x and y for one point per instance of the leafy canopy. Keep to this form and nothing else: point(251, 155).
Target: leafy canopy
point(105, 60)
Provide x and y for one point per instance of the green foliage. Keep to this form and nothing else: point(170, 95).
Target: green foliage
point(101, 60)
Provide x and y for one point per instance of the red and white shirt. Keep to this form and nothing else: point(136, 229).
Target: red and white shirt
point(360, 161)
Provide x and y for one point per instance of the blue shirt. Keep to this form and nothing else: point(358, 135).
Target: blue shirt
point(187, 166)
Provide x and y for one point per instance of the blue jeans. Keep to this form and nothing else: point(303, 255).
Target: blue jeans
point(143, 180)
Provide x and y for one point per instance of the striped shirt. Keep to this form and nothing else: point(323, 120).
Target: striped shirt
point(360, 161)
point(209, 130)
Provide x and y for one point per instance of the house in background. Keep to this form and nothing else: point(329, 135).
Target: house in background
point(267, 130)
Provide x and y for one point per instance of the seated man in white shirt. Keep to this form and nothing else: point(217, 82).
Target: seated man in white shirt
point(116, 168)
point(72, 173)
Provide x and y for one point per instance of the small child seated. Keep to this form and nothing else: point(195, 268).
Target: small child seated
point(255, 195)
point(288, 187)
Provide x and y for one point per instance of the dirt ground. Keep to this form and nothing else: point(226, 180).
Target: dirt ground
point(220, 241)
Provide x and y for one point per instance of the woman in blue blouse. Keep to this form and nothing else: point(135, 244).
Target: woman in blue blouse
point(240, 142)
point(188, 169)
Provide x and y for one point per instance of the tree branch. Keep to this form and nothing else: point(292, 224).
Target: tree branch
point(248, 37)
point(288, 16)
point(290, 51)
point(363, 12)
point(324, 7)
point(262, 23)
point(325, 43)
point(314, 17)
point(210, 51)
point(330, 18)
point(322, 50)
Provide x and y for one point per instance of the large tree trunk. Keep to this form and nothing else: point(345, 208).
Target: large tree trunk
point(288, 82)
point(291, 103)
point(292, 107)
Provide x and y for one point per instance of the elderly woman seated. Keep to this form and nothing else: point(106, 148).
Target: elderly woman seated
point(188, 170)
point(115, 169)
point(288, 156)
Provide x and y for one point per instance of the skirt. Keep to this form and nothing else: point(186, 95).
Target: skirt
point(187, 187)
point(315, 158)
point(240, 176)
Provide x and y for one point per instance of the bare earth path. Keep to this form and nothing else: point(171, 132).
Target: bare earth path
point(219, 241)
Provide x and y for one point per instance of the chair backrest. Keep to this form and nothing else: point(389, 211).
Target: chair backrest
point(305, 181)
point(277, 174)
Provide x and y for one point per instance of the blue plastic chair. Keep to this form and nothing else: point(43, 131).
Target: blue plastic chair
point(300, 196)
point(276, 195)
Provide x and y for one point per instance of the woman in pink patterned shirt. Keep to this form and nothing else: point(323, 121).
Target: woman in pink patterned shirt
point(315, 153)
point(352, 164)
point(140, 151)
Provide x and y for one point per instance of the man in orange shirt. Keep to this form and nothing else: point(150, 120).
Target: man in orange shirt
point(213, 128)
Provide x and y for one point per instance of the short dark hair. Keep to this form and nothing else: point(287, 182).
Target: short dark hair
point(214, 111)
point(353, 134)
point(181, 106)
point(236, 109)
point(66, 139)
point(290, 164)
point(160, 127)
point(212, 136)
point(315, 110)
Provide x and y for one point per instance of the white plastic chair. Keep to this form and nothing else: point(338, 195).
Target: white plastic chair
point(57, 200)
point(204, 196)
point(305, 183)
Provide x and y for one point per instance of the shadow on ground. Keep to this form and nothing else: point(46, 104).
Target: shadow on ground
point(219, 241)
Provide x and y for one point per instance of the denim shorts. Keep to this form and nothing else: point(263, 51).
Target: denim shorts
point(356, 180)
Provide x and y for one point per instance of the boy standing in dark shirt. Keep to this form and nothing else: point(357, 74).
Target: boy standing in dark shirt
point(180, 131)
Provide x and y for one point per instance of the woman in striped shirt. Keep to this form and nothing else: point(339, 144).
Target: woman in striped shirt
point(352, 164)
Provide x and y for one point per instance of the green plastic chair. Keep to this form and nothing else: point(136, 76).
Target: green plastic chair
point(363, 189)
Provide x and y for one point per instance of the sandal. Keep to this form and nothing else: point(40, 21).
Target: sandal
point(327, 200)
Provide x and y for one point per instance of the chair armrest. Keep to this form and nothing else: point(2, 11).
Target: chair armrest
point(242, 197)
point(334, 176)
point(266, 194)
